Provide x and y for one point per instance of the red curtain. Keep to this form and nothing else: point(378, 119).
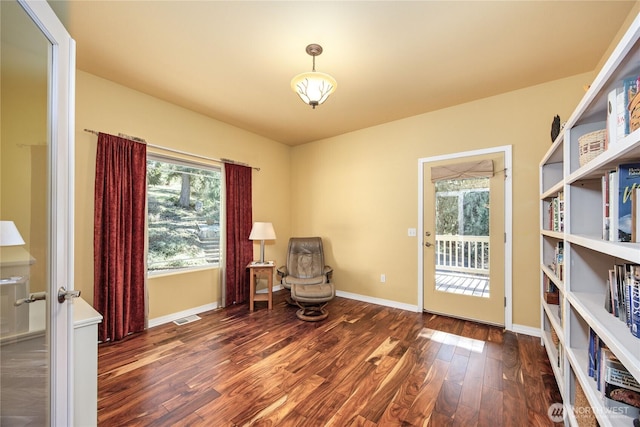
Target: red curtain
point(239, 221)
point(119, 234)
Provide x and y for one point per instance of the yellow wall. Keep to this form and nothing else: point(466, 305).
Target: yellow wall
point(359, 191)
point(107, 107)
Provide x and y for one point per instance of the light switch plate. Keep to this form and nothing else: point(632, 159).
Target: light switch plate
point(411, 232)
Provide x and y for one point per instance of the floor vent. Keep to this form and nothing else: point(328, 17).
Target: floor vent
point(185, 320)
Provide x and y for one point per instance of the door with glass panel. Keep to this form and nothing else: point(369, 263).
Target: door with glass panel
point(464, 239)
point(36, 256)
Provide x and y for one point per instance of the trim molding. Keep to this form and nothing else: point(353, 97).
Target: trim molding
point(527, 330)
point(508, 223)
point(171, 317)
point(378, 301)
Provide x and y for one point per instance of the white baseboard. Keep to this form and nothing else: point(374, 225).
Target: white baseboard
point(378, 301)
point(173, 316)
point(526, 330)
point(264, 290)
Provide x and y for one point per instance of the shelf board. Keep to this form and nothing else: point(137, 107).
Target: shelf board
point(553, 191)
point(609, 328)
point(552, 276)
point(554, 153)
point(552, 354)
point(624, 250)
point(554, 318)
point(555, 234)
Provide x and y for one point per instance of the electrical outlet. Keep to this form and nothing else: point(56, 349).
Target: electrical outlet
point(383, 278)
point(411, 232)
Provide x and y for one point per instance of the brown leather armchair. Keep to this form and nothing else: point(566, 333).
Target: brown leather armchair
point(308, 278)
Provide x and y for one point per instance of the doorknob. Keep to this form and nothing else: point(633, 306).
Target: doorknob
point(64, 295)
point(427, 233)
point(427, 244)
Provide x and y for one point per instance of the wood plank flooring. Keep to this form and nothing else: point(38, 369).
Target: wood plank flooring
point(366, 365)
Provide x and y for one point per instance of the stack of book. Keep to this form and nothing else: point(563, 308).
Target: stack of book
point(558, 260)
point(623, 296)
point(556, 213)
point(620, 391)
point(618, 101)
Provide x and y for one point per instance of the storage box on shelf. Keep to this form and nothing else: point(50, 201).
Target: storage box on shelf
point(590, 249)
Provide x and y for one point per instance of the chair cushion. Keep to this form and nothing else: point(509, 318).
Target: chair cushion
point(290, 280)
point(313, 293)
point(305, 257)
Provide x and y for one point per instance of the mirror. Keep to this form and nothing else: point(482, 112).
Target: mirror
point(24, 97)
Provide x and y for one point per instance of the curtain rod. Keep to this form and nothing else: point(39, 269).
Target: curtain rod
point(172, 150)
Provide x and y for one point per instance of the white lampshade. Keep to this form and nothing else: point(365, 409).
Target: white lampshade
point(9, 234)
point(262, 231)
point(313, 87)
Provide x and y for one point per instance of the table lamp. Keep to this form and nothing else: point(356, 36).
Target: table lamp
point(262, 231)
point(10, 236)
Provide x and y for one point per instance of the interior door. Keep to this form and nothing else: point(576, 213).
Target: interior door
point(37, 72)
point(464, 237)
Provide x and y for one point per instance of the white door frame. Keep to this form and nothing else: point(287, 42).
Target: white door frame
point(508, 223)
point(61, 113)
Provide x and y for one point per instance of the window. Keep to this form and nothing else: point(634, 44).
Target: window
point(183, 204)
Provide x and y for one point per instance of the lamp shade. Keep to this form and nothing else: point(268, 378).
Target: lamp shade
point(313, 87)
point(9, 234)
point(262, 231)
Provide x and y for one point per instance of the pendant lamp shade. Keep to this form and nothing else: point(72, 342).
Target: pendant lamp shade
point(313, 87)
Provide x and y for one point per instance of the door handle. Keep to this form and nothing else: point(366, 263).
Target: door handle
point(427, 244)
point(64, 295)
point(37, 296)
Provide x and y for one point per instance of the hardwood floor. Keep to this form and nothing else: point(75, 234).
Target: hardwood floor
point(366, 365)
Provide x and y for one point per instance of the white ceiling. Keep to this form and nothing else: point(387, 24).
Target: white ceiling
point(234, 60)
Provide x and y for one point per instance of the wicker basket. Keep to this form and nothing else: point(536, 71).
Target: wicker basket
point(582, 410)
point(554, 337)
point(634, 113)
point(591, 145)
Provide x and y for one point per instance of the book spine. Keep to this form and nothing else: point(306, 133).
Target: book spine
point(612, 117)
point(629, 90)
point(634, 299)
point(613, 206)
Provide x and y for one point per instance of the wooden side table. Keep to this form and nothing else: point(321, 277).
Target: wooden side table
point(256, 270)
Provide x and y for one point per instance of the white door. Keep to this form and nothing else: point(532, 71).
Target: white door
point(465, 255)
point(36, 207)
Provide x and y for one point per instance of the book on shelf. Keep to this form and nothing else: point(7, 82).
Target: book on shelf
point(635, 215)
point(594, 343)
point(261, 264)
point(618, 187)
point(556, 213)
point(618, 100)
point(613, 204)
point(633, 297)
point(628, 181)
point(620, 390)
point(557, 266)
point(612, 117)
point(622, 298)
point(605, 207)
point(629, 90)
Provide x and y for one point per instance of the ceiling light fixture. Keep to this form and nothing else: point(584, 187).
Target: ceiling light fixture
point(313, 87)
